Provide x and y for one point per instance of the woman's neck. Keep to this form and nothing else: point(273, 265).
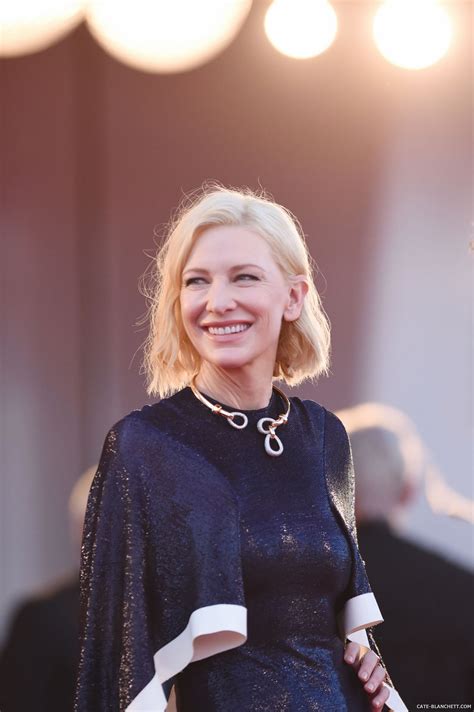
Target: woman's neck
point(244, 392)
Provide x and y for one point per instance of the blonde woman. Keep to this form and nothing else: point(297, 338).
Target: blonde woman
point(220, 552)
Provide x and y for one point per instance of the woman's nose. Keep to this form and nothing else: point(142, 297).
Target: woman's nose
point(219, 297)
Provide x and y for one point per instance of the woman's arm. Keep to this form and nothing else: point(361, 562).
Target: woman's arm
point(161, 579)
point(361, 610)
point(117, 633)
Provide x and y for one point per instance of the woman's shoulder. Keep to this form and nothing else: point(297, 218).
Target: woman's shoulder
point(141, 426)
point(134, 421)
point(334, 425)
point(151, 415)
point(310, 406)
point(328, 421)
point(149, 443)
point(307, 405)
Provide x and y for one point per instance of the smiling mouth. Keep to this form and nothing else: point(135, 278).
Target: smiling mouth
point(227, 332)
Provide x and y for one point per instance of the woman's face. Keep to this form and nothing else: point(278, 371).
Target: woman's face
point(231, 279)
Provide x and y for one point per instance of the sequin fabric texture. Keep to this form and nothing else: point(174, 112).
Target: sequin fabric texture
point(186, 511)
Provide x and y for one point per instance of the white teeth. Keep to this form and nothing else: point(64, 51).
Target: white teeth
point(228, 329)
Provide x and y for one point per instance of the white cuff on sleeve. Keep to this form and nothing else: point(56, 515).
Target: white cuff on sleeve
point(210, 630)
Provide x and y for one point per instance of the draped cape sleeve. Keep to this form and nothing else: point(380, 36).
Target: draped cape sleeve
point(160, 580)
point(360, 611)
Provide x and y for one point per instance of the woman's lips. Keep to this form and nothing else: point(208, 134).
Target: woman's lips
point(227, 337)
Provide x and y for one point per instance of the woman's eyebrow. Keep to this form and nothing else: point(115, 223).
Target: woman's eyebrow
point(235, 267)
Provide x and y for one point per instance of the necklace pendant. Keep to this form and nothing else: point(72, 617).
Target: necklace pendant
point(268, 448)
point(269, 436)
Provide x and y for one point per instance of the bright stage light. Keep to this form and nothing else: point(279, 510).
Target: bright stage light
point(31, 25)
point(301, 28)
point(413, 34)
point(166, 35)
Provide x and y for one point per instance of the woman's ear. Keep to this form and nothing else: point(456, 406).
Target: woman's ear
point(298, 290)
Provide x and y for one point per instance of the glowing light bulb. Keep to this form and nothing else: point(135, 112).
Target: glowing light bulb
point(412, 34)
point(301, 28)
point(166, 35)
point(31, 25)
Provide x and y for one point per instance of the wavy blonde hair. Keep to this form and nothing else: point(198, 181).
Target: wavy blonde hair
point(170, 360)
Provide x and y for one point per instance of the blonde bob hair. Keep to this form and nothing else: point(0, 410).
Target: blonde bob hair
point(170, 359)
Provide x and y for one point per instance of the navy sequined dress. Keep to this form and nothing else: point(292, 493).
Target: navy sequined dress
point(210, 565)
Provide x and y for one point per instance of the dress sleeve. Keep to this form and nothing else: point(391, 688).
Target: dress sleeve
point(360, 612)
point(160, 580)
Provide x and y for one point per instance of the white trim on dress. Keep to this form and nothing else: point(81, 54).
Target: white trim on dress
point(210, 630)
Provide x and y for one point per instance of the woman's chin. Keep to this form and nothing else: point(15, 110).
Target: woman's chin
point(228, 363)
point(226, 360)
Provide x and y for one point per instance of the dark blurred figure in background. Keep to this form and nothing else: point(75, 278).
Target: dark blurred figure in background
point(426, 599)
point(38, 663)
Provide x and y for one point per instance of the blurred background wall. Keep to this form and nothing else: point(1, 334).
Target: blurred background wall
point(374, 160)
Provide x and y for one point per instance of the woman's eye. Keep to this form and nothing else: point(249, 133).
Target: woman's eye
point(192, 280)
point(252, 276)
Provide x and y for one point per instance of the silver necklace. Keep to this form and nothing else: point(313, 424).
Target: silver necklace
point(234, 416)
